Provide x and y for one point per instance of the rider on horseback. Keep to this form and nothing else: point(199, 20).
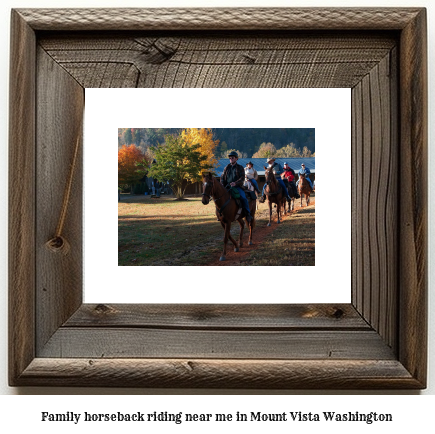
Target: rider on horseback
point(289, 175)
point(251, 175)
point(234, 175)
point(306, 172)
point(277, 170)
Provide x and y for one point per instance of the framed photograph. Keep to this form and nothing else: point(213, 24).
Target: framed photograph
point(377, 341)
point(141, 230)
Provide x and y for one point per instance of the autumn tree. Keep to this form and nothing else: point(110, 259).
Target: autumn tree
point(266, 150)
point(306, 153)
point(207, 145)
point(239, 153)
point(289, 151)
point(132, 165)
point(179, 162)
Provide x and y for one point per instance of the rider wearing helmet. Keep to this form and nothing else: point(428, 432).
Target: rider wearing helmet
point(234, 175)
point(277, 170)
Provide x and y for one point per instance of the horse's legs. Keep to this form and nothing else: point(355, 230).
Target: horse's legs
point(251, 223)
point(227, 227)
point(251, 226)
point(230, 237)
point(224, 252)
point(270, 212)
point(250, 231)
point(278, 209)
point(242, 226)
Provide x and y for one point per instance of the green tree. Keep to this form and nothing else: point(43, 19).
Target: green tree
point(179, 162)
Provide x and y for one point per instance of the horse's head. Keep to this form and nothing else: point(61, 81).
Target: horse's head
point(207, 188)
point(269, 175)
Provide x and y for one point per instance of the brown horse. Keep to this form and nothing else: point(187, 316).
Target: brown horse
point(274, 193)
point(304, 188)
point(227, 211)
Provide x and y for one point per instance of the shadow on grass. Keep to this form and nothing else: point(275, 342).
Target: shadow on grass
point(155, 200)
point(191, 241)
point(155, 217)
point(196, 239)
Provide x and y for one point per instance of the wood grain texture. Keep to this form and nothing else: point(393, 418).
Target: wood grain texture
point(21, 197)
point(375, 198)
point(60, 106)
point(270, 317)
point(228, 374)
point(378, 342)
point(413, 198)
point(220, 18)
point(236, 60)
point(127, 342)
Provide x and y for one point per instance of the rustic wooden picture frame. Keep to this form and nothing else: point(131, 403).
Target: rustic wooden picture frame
point(376, 341)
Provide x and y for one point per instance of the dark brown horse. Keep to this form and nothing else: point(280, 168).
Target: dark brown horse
point(304, 188)
point(227, 211)
point(274, 193)
point(291, 204)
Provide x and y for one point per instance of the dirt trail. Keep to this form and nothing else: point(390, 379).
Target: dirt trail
point(260, 233)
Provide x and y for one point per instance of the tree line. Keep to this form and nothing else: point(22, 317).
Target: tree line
point(247, 141)
point(182, 155)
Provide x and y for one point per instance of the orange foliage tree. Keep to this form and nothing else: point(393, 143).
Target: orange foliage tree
point(132, 165)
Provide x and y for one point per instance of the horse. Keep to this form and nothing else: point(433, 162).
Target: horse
point(227, 211)
point(274, 193)
point(291, 205)
point(304, 188)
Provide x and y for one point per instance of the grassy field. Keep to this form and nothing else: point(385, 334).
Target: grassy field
point(291, 243)
point(168, 232)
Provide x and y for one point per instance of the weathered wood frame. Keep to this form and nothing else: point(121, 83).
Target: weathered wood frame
point(377, 341)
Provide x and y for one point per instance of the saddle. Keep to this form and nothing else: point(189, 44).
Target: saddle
point(234, 193)
point(250, 195)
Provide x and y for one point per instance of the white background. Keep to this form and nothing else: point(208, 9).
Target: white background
point(414, 413)
point(327, 110)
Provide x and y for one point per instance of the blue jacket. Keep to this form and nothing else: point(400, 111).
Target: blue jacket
point(305, 171)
